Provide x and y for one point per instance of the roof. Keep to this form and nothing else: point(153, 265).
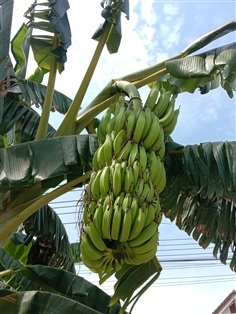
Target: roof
point(228, 302)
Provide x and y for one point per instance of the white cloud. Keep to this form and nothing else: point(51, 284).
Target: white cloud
point(148, 14)
point(171, 28)
point(170, 9)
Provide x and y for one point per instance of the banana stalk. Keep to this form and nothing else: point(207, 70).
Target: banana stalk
point(43, 123)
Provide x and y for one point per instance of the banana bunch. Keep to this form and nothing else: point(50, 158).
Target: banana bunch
point(121, 203)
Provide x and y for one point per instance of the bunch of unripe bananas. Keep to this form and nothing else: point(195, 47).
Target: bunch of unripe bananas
point(121, 202)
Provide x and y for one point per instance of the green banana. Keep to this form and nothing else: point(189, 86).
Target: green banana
point(148, 247)
point(107, 221)
point(105, 182)
point(95, 266)
point(103, 123)
point(136, 173)
point(95, 184)
point(97, 219)
point(92, 207)
point(152, 134)
point(125, 151)
point(151, 215)
point(117, 218)
point(129, 179)
point(148, 255)
point(89, 249)
point(162, 103)
point(144, 193)
point(151, 193)
point(138, 189)
point(142, 159)
point(123, 169)
point(111, 125)
point(130, 259)
point(148, 122)
point(144, 236)
point(108, 149)
point(134, 207)
point(169, 114)
point(159, 141)
point(137, 225)
point(154, 163)
point(95, 163)
point(120, 120)
point(160, 182)
point(133, 154)
point(152, 96)
point(101, 156)
point(93, 234)
point(130, 122)
point(117, 180)
point(161, 151)
point(169, 128)
point(127, 221)
point(119, 142)
point(139, 127)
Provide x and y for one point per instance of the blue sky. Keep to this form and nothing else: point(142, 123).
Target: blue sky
point(157, 30)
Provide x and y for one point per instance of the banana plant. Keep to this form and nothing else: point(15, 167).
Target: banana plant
point(35, 157)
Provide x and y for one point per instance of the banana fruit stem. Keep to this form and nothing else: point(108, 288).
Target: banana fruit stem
point(43, 123)
point(132, 92)
point(92, 111)
point(7, 227)
point(68, 125)
point(98, 105)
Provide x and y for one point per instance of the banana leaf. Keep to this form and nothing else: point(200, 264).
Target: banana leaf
point(17, 247)
point(42, 46)
point(112, 14)
point(211, 36)
point(28, 170)
point(6, 17)
point(206, 71)
point(34, 93)
point(42, 240)
point(201, 192)
point(55, 14)
point(28, 163)
point(60, 283)
point(20, 50)
point(51, 244)
point(19, 118)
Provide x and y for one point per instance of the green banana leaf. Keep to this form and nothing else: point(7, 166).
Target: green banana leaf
point(15, 115)
point(20, 50)
point(42, 240)
point(6, 17)
point(34, 93)
point(42, 160)
point(42, 46)
point(17, 247)
point(51, 244)
point(201, 192)
point(62, 284)
point(51, 16)
point(206, 71)
point(112, 14)
point(28, 170)
point(211, 36)
point(133, 281)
